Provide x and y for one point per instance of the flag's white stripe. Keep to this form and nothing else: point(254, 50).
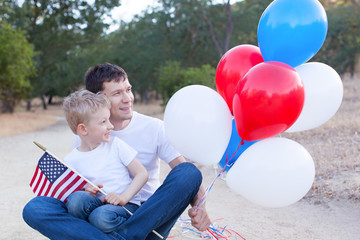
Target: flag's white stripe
point(45, 188)
point(64, 185)
point(54, 185)
point(36, 180)
point(72, 189)
point(41, 181)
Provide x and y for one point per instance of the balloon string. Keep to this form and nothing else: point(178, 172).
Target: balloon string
point(233, 155)
point(219, 175)
point(213, 232)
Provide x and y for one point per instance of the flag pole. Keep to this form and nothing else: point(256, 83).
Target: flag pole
point(87, 180)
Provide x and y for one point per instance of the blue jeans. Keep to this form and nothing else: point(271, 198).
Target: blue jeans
point(51, 218)
point(106, 217)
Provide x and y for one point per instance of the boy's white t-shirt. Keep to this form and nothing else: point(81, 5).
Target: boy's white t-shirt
point(147, 136)
point(106, 165)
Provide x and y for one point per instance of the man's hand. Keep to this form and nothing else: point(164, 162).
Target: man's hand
point(199, 218)
point(93, 190)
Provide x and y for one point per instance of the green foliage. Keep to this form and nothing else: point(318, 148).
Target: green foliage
point(204, 75)
point(246, 15)
point(176, 32)
point(343, 39)
point(16, 66)
point(60, 30)
point(167, 48)
point(139, 47)
point(172, 78)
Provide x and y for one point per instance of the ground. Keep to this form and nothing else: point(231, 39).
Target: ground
point(330, 210)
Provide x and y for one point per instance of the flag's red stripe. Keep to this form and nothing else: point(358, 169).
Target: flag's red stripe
point(81, 185)
point(48, 189)
point(42, 187)
point(61, 183)
point(68, 186)
point(38, 182)
point(42, 179)
point(34, 177)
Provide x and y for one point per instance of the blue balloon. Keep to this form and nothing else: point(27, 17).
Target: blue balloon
point(234, 149)
point(292, 31)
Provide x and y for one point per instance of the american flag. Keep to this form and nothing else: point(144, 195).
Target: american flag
point(54, 179)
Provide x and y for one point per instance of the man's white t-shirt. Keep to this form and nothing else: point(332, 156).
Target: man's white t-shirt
point(147, 136)
point(106, 165)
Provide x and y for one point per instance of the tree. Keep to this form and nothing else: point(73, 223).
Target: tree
point(16, 66)
point(172, 78)
point(342, 42)
point(177, 32)
point(221, 43)
point(246, 16)
point(59, 29)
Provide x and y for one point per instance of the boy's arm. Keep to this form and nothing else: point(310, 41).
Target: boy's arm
point(140, 178)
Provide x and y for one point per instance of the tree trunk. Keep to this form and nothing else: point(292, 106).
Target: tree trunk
point(146, 96)
point(50, 100)
point(221, 46)
point(7, 107)
point(28, 105)
point(8, 104)
point(43, 102)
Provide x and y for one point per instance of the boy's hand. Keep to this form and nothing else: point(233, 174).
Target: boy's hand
point(115, 199)
point(93, 190)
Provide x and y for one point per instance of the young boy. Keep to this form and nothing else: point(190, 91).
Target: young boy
point(103, 160)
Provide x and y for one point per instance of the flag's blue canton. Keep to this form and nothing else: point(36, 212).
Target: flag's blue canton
point(51, 167)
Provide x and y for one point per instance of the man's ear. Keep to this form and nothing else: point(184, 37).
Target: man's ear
point(81, 129)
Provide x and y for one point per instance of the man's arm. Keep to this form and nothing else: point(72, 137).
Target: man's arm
point(199, 218)
point(177, 161)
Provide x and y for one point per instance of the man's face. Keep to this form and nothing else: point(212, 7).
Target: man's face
point(122, 100)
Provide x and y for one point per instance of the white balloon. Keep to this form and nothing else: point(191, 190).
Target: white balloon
point(274, 172)
point(198, 123)
point(323, 95)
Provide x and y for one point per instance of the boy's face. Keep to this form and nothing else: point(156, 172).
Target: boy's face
point(99, 126)
point(122, 100)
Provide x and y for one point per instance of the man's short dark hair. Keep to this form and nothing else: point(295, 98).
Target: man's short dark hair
point(97, 75)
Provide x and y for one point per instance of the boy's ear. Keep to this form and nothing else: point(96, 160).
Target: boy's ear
point(81, 129)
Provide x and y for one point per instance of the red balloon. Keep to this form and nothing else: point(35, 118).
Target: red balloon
point(232, 68)
point(267, 101)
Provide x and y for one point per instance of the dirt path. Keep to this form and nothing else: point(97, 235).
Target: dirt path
point(334, 219)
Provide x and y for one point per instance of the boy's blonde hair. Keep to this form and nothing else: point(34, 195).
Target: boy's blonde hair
point(79, 106)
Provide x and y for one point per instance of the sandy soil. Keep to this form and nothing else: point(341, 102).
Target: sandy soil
point(331, 209)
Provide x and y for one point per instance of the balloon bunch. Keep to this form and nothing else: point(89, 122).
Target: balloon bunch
point(262, 92)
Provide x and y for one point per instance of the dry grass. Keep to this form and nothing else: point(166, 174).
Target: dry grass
point(334, 146)
point(22, 121)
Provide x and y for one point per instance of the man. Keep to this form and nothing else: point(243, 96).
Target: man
point(160, 208)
